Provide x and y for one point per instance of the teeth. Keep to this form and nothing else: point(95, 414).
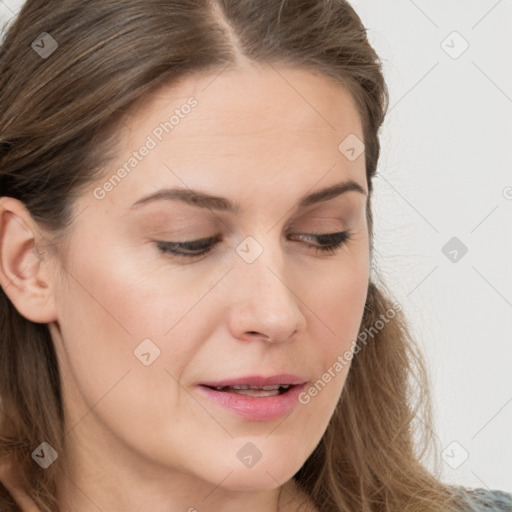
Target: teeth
point(245, 387)
point(255, 392)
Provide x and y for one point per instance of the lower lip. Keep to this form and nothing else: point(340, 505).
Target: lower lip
point(265, 408)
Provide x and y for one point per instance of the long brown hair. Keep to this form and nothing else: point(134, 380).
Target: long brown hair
point(58, 115)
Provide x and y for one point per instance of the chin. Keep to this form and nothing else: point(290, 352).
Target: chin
point(253, 482)
point(263, 476)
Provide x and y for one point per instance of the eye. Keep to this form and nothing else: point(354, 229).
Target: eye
point(192, 249)
point(329, 244)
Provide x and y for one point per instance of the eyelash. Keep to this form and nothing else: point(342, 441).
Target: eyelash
point(172, 248)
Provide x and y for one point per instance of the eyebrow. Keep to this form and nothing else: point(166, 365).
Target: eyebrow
point(203, 200)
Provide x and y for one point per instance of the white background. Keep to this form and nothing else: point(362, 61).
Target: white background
point(444, 171)
point(445, 168)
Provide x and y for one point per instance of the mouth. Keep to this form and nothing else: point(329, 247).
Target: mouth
point(258, 399)
point(254, 391)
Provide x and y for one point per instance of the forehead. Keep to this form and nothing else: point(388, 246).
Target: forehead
point(267, 128)
point(256, 97)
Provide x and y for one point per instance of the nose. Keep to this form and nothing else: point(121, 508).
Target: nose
point(265, 304)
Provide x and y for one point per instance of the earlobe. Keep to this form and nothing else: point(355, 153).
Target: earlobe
point(24, 276)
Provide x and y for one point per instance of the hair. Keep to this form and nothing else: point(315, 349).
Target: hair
point(58, 120)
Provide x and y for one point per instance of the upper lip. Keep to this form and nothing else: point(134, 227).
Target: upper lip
point(258, 380)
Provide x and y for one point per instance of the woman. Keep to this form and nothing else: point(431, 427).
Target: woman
point(188, 319)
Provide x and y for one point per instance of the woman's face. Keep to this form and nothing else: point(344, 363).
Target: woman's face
point(138, 330)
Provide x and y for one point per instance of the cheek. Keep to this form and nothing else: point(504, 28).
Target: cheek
point(127, 294)
point(103, 317)
point(116, 305)
point(335, 308)
point(109, 310)
point(337, 301)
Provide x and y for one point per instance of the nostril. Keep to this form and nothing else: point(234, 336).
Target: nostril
point(256, 333)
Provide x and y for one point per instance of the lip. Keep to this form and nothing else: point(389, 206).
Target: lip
point(255, 408)
point(259, 380)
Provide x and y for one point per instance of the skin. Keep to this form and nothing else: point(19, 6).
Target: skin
point(143, 437)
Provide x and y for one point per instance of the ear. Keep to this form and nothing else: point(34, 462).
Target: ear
point(24, 274)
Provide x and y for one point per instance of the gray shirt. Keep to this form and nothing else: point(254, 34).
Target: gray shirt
point(485, 500)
